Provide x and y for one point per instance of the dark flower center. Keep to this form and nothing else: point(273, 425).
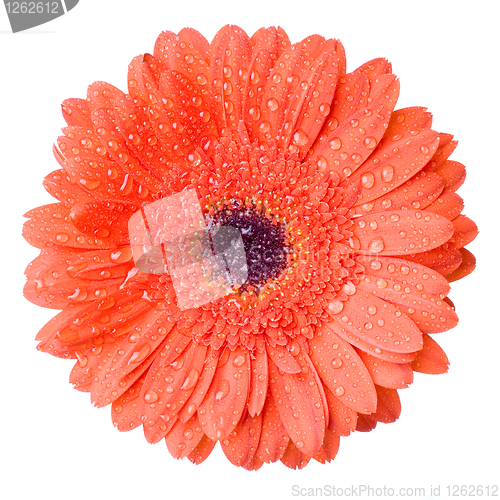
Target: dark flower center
point(263, 240)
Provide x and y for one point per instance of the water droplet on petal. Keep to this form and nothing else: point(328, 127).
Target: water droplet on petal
point(324, 109)
point(376, 245)
point(370, 142)
point(239, 361)
point(336, 362)
point(188, 434)
point(336, 306)
point(300, 138)
point(62, 238)
point(368, 180)
point(190, 380)
point(222, 390)
point(387, 173)
point(335, 143)
point(151, 396)
point(272, 104)
point(339, 391)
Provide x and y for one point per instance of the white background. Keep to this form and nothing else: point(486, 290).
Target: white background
point(57, 445)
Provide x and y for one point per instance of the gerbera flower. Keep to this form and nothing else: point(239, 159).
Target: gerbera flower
point(351, 227)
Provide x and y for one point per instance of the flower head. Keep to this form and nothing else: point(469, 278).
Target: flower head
point(345, 211)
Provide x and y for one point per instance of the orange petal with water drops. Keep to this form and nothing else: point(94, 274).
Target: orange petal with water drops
point(126, 411)
point(186, 54)
point(349, 145)
point(377, 322)
point(103, 220)
point(273, 438)
point(342, 419)
point(452, 173)
point(431, 359)
point(50, 225)
point(76, 112)
point(400, 232)
point(91, 168)
point(59, 186)
point(366, 423)
point(409, 119)
point(229, 60)
point(448, 205)
point(202, 451)
point(444, 259)
point(241, 445)
point(330, 447)
point(200, 391)
point(416, 193)
point(183, 438)
point(254, 464)
point(267, 46)
point(273, 38)
point(258, 383)
point(350, 95)
point(358, 341)
point(388, 405)
point(102, 99)
point(282, 358)
point(300, 404)
point(60, 276)
point(374, 68)
point(465, 231)
point(446, 147)
point(169, 384)
point(143, 75)
point(80, 327)
point(310, 106)
point(56, 291)
point(428, 311)
point(385, 374)
point(404, 272)
point(227, 396)
point(129, 353)
point(342, 371)
point(467, 265)
point(287, 86)
point(394, 163)
point(140, 137)
point(293, 458)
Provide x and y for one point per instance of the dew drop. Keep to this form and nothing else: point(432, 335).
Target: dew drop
point(335, 144)
point(190, 380)
point(300, 138)
point(339, 391)
point(335, 306)
point(151, 396)
point(376, 245)
point(239, 361)
point(272, 104)
point(62, 238)
point(336, 362)
point(222, 390)
point(368, 180)
point(387, 173)
point(188, 434)
point(324, 109)
point(370, 142)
